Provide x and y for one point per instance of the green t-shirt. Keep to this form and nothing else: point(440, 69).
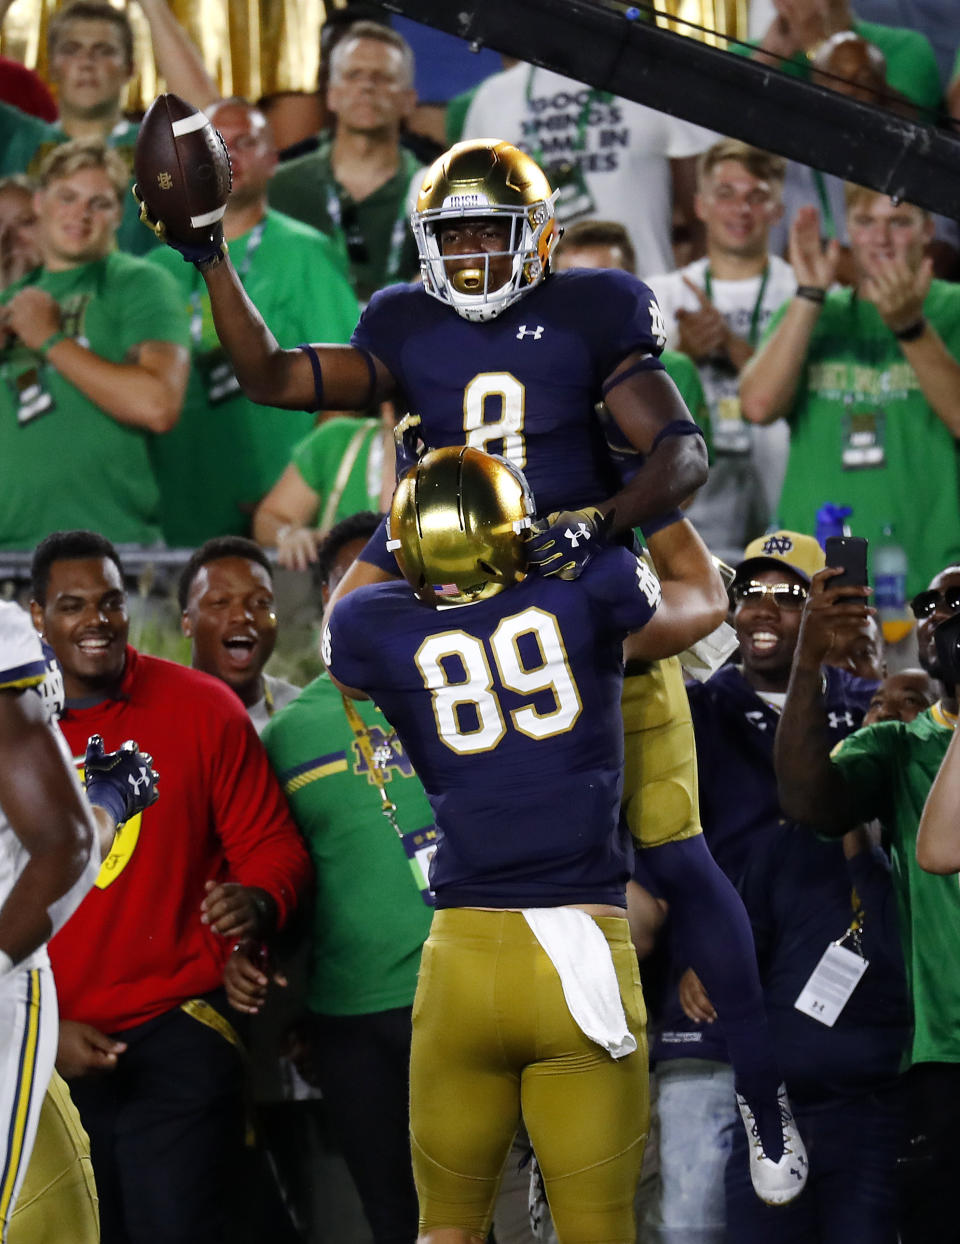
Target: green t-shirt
point(862, 434)
point(890, 768)
point(911, 62)
point(373, 234)
point(25, 140)
point(684, 373)
point(320, 457)
point(370, 920)
point(227, 451)
point(63, 462)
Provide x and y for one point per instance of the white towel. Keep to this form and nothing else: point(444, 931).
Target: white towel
point(576, 947)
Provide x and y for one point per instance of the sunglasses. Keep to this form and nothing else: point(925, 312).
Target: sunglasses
point(783, 595)
point(924, 604)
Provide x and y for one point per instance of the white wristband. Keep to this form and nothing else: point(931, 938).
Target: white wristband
point(6, 964)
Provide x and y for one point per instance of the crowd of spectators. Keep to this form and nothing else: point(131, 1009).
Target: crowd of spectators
point(812, 329)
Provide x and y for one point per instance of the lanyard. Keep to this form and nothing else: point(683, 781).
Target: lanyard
point(196, 307)
point(757, 306)
point(398, 235)
point(829, 226)
point(593, 96)
point(374, 762)
point(942, 717)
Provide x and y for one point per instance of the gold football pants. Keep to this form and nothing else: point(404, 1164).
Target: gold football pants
point(660, 760)
point(58, 1199)
point(492, 1037)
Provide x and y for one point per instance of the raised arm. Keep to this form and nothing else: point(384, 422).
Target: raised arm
point(813, 790)
point(177, 56)
point(938, 838)
point(694, 598)
point(146, 391)
point(285, 378)
point(770, 379)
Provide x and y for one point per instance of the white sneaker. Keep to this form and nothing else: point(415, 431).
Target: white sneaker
point(776, 1183)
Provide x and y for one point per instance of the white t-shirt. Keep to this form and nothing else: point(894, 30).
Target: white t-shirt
point(737, 503)
point(621, 150)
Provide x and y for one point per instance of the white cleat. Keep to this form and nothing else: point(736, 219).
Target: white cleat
point(776, 1183)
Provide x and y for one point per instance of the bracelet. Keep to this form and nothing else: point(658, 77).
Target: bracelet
point(912, 331)
point(53, 340)
point(812, 293)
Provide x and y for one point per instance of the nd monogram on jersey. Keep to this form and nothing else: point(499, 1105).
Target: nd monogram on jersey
point(509, 710)
point(525, 384)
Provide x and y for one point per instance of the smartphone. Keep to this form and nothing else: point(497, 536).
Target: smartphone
point(849, 552)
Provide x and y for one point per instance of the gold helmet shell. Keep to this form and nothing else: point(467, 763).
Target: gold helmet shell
point(485, 178)
point(457, 523)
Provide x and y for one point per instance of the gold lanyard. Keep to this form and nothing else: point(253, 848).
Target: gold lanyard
point(375, 763)
point(942, 717)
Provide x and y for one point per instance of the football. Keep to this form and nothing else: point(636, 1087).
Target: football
point(182, 169)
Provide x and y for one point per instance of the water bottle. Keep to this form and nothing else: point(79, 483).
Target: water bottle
point(890, 587)
point(831, 521)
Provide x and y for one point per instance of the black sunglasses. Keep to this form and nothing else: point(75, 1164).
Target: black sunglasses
point(924, 604)
point(783, 595)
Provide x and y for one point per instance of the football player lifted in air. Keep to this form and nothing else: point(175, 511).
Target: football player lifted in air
point(494, 351)
point(528, 999)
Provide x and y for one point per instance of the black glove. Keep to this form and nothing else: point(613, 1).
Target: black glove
point(564, 542)
point(406, 438)
point(202, 254)
point(123, 782)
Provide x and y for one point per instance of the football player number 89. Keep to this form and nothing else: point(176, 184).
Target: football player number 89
point(507, 394)
point(468, 713)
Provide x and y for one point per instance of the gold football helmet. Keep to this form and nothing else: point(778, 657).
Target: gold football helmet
point(457, 523)
point(485, 178)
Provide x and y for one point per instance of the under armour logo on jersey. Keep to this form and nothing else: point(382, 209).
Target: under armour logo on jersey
point(137, 782)
point(582, 533)
point(837, 720)
point(535, 333)
point(757, 718)
point(777, 544)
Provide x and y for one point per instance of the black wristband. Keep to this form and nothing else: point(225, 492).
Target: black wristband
point(912, 331)
point(812, 293)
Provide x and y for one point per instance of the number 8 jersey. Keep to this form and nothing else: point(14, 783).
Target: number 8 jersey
point(524, 385)
point(509, 710)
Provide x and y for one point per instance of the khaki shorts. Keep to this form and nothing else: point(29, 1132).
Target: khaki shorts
point(660, 759)
point(58, 1188)
point(492, 1036)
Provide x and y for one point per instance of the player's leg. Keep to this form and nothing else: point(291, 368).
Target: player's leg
point(59, 1186)
point(710, 925)
point(28, 1047)
point(588, 1113)
point(464, 1072)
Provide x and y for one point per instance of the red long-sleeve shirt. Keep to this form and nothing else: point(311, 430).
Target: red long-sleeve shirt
point(136, 947)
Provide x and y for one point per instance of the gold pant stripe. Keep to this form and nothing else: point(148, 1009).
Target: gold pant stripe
point(24, 1092)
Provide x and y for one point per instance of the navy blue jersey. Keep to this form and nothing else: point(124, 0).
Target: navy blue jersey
point(509, 709)
point(524, 385)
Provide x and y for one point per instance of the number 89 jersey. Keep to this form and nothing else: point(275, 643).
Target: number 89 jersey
point(509, 710)
point(525, 384)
